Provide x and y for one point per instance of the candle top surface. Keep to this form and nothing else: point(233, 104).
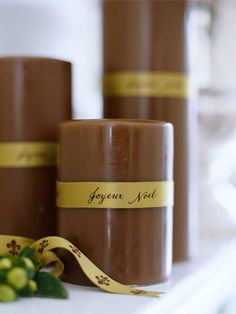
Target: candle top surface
point(14, 59)
point(116, 122)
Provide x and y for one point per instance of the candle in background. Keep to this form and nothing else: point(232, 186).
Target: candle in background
point(146, 76)
point(35, 96)
point(115, 197)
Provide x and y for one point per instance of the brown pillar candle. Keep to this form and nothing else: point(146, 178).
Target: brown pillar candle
point(35, 96)
point(114, 197)
point(146, 76)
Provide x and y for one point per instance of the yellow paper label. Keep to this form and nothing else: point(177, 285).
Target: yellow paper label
point(114, 194)
point(146, 84)
point(27, 154)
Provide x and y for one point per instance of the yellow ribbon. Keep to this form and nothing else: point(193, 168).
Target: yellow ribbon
point(146, 84)
point(27, 154)
point(115, 194)
point(13, 245)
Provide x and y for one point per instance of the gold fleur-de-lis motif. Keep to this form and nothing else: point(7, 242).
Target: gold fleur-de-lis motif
point(42, 246)
point(75, 250)
point(137, 292)
point(14, 247)
point(102, 280)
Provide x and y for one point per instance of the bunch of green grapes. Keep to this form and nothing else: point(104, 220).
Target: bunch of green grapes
point(21, 276)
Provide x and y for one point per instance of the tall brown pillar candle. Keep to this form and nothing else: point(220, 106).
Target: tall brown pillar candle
point(154, 85)
point(114, 197)
point(35, 96)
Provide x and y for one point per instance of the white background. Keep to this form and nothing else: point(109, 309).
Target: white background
point(64, 29)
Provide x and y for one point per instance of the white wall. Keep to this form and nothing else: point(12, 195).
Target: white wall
point(65, 29)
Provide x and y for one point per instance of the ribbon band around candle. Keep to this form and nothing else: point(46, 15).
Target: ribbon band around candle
point(146, 84)
point(13, 245)
point(27, 154)
point(114, 194)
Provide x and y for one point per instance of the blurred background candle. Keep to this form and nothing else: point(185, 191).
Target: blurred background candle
point(35, 95)
point(146, 75)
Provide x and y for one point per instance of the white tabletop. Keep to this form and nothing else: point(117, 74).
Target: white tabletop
point(199, 286)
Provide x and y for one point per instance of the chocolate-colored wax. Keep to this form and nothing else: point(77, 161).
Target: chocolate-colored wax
point(132, 245)
point(151, 36)
point(35, 96)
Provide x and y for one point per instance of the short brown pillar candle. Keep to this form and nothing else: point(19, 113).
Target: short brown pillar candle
point(115, 197)
point(35, 96)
